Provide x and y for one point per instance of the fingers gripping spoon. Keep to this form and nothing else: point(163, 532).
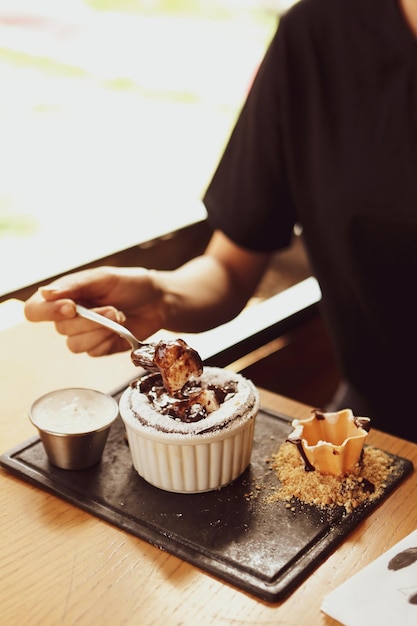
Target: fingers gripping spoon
point(174, 359)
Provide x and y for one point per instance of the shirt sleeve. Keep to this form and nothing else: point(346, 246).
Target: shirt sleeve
point(248, 197)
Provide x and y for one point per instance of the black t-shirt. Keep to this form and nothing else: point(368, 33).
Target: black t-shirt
point(328, 139)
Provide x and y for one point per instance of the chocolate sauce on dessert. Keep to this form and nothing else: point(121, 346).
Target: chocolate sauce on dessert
point(363, 422)
point(174, 359)
point(360, 422)
point(191, 404)
point(307, 465)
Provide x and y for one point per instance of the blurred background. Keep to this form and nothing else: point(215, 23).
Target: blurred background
point(113, 116)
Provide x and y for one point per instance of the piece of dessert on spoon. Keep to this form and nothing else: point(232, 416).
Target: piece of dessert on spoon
point(174, 359)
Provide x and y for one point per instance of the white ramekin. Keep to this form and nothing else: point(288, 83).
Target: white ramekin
point(192, 463)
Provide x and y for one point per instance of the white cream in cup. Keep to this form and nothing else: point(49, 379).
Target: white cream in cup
point(73, 425)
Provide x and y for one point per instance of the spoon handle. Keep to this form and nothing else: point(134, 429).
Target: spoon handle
point(105, 321)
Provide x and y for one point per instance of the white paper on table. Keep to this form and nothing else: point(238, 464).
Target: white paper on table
point(384, 592)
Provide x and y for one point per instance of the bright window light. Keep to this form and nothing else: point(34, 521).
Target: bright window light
point(113, 116)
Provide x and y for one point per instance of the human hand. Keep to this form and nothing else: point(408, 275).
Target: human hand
point(127, 295)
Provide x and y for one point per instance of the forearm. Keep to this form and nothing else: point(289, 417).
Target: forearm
point(203, 293)
point(209, 290)
point(197, 296)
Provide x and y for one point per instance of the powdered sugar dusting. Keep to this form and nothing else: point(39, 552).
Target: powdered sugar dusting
point(137, 410)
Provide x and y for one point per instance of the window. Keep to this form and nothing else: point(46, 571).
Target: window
point(112, 119)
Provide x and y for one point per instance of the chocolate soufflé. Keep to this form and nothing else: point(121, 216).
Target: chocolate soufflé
point(195, 440)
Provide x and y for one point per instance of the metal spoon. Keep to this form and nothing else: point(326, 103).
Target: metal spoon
point(175, 360)
point(105, 321)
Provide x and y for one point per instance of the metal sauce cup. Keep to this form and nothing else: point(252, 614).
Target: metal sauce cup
point(73, 425)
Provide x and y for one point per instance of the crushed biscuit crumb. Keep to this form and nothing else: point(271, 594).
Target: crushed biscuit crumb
point(366, 483)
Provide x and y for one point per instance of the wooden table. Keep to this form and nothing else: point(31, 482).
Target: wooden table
point(62, 566)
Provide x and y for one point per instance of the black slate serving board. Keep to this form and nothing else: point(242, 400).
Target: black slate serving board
point(235, 533)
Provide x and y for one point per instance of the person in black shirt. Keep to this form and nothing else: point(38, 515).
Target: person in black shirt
point(326, 140)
